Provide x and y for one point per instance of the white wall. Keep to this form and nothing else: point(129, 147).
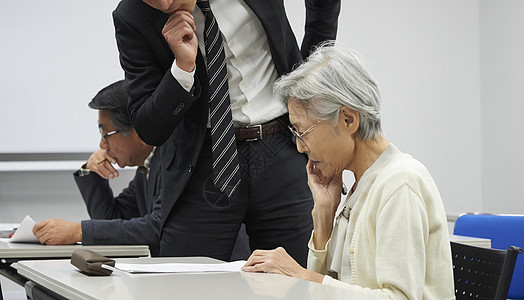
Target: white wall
point(502, 82)
point(55, 55)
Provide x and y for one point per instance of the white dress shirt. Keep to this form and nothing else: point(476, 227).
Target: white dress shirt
point(250, 67)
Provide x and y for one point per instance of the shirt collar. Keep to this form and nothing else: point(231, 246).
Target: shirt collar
point(147, 163)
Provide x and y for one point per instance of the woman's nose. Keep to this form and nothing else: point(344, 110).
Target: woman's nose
point(301, 146)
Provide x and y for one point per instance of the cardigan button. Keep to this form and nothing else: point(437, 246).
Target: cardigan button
point(346, 211)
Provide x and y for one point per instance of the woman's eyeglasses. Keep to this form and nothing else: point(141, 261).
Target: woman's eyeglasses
point(299, 135)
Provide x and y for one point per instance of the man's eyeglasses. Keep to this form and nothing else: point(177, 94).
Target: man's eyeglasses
point(107, 135)
point(299, 135)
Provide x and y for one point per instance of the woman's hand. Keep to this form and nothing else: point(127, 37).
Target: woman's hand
point(279, 262)
point(326, 193)
point(326, 190)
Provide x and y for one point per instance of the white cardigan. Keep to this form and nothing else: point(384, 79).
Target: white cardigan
point(396, 241)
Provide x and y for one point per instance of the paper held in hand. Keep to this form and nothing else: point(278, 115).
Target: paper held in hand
point(24, 233)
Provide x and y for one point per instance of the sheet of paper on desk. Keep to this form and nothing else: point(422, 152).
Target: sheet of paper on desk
point(24, 233)
point(180, 268)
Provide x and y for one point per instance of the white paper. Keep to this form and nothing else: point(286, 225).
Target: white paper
point(180, 267)
point(24, 233)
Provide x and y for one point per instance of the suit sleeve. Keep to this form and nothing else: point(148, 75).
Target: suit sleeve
point(137, 231)
point(99, 200)
point(321, 23)
point(157, 102)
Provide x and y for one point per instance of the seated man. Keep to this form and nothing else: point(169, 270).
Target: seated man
point(133, 216)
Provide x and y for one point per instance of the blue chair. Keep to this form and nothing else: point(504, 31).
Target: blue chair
point(504, 231)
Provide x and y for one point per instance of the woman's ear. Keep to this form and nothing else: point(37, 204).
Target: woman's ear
point(348, 120)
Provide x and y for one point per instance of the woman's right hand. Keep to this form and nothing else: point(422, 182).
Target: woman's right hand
point(326, 193)
point(326, 190)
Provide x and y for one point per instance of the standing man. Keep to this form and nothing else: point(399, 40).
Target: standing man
point(200, 80)
point(132, 217)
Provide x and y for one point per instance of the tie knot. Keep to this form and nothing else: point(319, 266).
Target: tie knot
point(204, 6)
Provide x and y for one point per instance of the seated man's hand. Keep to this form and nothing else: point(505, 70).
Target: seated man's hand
point(101, 163)
point(57, 232)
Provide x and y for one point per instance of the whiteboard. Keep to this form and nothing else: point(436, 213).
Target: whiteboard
point(55, 55)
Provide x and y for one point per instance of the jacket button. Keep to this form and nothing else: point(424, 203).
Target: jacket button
point(190, 169)
point(178, 109)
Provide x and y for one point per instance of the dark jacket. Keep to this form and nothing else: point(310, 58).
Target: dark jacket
point(131, 218)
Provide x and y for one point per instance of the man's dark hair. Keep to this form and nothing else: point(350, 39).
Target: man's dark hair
point(114, 98)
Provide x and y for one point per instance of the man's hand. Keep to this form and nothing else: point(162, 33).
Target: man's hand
point(57, 232)
point(101, 163)
point(179, 32)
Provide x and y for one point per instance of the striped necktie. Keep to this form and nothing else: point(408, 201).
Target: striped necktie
point(225, 157)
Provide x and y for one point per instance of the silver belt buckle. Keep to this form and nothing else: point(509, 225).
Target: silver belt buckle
point(259, 126)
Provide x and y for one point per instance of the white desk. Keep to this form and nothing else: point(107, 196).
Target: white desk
point(64, 279)
point(473, 241)
point(13, 252)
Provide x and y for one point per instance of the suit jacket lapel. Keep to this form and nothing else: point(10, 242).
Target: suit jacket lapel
point(157, 21)
point(270, 16)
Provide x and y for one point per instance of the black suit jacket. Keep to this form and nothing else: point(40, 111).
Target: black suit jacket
point(131, 218)
point(163, 112)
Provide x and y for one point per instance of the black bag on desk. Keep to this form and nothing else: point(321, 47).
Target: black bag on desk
point(91, 262)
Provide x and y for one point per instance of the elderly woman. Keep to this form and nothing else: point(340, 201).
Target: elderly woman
point(389, 236)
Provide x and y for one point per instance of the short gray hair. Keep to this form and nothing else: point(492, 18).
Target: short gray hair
point(330, 78)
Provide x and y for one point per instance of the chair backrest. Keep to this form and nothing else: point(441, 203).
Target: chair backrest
point(503, 231)
point(482, 273)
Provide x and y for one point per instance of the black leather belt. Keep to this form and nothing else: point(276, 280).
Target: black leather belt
point(252, 133)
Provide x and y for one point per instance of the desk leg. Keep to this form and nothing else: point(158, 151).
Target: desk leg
point(35, 291)
point(11, 273)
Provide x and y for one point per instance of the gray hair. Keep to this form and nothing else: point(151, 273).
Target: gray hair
point(329, 79)
point(114, 98)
